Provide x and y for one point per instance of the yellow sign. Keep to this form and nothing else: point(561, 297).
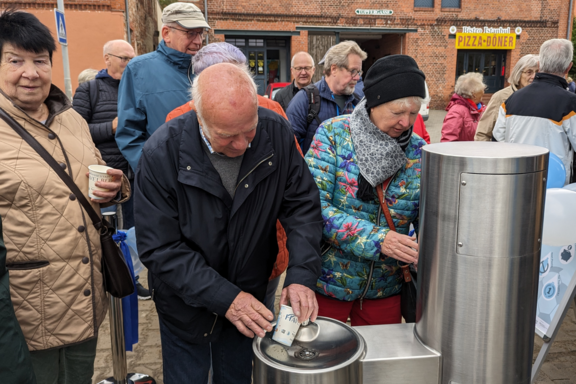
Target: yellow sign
point(485, 41)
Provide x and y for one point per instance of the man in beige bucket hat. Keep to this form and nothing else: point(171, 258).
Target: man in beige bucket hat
point(155, 83)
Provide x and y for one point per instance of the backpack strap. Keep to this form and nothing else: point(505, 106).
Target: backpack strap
point(313, 95)
point(357, 97)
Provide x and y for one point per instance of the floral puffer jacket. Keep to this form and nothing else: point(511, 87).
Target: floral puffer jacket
point(354, 230)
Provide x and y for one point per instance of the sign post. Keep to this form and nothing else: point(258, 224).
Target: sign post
point(63, 40)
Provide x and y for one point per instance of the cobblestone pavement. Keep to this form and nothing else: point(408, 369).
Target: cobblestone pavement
point(559, 368)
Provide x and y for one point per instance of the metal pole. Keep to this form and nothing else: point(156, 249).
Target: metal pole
point(128, 36)
point(206, 17)
point(570, 18)
point(119, 364)
point(65, 61)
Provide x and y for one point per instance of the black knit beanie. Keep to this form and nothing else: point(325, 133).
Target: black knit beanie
point(391, 78)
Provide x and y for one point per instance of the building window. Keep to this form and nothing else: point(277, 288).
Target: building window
point(424, 3)
point(256, 42)
point(237, 42)
point(450, 3)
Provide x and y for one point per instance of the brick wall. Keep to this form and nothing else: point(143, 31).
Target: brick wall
point(430, 46)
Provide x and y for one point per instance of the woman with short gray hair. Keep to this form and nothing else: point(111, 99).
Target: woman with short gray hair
point(465, 108)
point(522, 75)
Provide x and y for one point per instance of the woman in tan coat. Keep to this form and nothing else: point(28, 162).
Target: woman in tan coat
point(522, 75)
point(53, 250)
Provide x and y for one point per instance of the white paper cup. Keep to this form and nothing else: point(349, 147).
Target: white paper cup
point(97, 173)
point(286, 326)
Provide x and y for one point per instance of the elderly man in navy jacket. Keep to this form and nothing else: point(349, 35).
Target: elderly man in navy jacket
point(209, 190)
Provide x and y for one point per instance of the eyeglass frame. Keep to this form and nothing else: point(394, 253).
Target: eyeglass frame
point(358, 72)
point(534, 72)
point(125, 59)
point(187, 32)
point(300, 69)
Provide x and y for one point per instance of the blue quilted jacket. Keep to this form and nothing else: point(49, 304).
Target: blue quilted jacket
point(354, 230)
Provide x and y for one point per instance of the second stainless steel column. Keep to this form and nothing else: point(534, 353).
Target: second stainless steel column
point(481, 211)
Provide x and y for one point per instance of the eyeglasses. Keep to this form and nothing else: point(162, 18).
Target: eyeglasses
point(300, 69)
point(530, 72)
point(354, 72)
point(190, 34)
point(124, 59)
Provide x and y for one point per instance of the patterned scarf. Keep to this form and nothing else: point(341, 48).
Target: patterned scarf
point(379, 156)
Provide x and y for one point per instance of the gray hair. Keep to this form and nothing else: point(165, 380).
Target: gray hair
point(216, 53)
point(525, 62)
point(556, 56)
point(468, 84)
point(87, 75)
point(298, 53)
point(197, 95)
point(338, 55)
point(405, 101)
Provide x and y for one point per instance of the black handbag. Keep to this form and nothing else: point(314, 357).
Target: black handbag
point(408, 293)
point(117, 279)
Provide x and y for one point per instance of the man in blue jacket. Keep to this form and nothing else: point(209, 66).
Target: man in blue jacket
point(210, 187)
point(154, 84)
point(338, 96)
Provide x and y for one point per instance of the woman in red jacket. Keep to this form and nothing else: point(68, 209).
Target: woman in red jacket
point(465, 108)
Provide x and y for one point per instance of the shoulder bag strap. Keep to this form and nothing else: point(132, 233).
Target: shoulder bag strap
point(27, 137)
point(380, 189)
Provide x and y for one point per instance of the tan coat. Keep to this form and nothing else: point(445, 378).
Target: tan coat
point(488, 120)
point(55, 277)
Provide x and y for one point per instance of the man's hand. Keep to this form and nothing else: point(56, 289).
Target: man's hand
point(249, 315)
point(113, 186)
point(400, 247)
point(303, 301)
point(114, 125)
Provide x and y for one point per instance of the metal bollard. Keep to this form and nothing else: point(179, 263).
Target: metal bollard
point(119, 365)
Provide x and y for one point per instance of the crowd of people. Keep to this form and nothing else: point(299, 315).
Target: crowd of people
point(227, 189)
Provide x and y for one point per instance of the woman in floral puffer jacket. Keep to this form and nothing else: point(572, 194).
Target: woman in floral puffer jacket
point(349, 158)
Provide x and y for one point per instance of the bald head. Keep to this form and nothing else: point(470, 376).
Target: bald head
point(117, 54)
point(302, 69)
point(226, 101)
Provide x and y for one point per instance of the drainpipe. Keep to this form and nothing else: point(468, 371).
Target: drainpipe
point(128, 37)
point(206, 15)
point(570, 18)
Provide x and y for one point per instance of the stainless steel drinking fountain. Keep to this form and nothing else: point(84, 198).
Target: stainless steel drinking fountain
point(481, 213)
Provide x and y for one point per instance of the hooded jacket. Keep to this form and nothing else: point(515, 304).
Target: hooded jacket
point(54, 253)
point(297, 111)
point(461, 120)
point(152, 85)
point(201, 246)
point(99, 114)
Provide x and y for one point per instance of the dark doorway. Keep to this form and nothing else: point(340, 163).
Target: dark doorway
point(491, 64)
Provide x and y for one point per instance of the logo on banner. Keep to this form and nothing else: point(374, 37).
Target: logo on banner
point(550, 289)
point(566, 254)
point(545, 264)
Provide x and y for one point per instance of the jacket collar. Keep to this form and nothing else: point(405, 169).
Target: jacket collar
point(196, 169)
point(57, 102)
point(181, 60)
point(542, 77)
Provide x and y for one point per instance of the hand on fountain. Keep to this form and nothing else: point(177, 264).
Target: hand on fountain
point(303, 301)
point(249, 315)
point(400, 247)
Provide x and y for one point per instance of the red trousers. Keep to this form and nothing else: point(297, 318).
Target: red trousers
point(373, 312)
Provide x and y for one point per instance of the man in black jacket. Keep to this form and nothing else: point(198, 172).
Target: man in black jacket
point(97, 102)
point(302, 69)
point(209, 189)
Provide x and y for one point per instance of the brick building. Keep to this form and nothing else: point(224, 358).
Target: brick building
point(444, 36)
point(90, 24)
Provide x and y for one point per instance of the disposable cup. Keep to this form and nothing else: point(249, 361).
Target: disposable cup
point(97, 173)
point(286, 326)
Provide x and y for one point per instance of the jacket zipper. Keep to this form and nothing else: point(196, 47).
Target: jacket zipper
point(369, 281)
point(252, 170)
